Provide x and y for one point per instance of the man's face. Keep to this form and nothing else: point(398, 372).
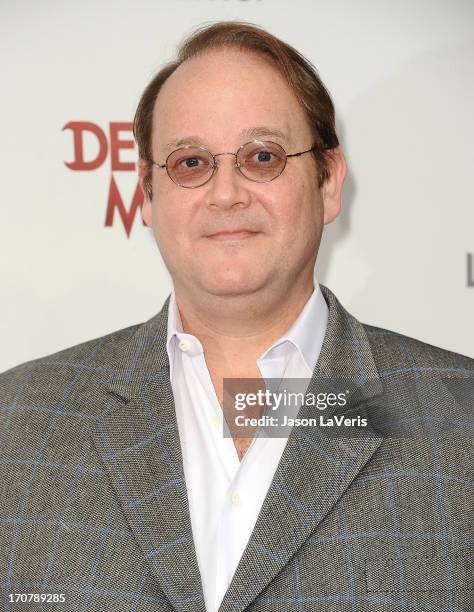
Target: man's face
point(233, 236)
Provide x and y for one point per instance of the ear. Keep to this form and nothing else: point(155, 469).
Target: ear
point(331, 189)
point(143, 169)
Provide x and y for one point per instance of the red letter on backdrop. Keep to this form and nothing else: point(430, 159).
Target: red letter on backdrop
point(115, 201)
point(116, 144)
point(78, 127)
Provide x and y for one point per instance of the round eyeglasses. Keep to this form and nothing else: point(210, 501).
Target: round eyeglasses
point(261, 161)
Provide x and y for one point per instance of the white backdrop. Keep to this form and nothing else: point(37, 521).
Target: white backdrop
point(402, 78)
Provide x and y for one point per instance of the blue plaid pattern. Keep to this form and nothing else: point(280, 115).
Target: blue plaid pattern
point(93, 500)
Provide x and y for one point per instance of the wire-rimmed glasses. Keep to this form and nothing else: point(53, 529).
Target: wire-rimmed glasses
point(261, 161)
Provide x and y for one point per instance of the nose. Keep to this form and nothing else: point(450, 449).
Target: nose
point(228, 187)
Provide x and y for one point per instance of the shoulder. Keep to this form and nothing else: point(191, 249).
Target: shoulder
point(426, 389)
point(394, 350)
point(51, 373)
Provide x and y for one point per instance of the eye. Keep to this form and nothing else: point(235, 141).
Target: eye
point(264, 156)
point(191, 162)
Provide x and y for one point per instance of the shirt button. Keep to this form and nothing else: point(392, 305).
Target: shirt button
point(216, 421)
point(184, 346)
point(235, 499)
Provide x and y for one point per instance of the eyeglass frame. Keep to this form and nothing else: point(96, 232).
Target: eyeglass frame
point(215, 166)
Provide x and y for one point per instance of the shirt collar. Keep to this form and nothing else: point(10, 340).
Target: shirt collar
point(175, 334)
point(306, 334)
point(175, 325)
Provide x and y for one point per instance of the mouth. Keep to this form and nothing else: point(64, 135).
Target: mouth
point(242, 234)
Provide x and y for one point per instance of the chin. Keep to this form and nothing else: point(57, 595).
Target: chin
point(229, 283)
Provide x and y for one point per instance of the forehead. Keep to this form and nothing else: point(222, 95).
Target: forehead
point(221, 94)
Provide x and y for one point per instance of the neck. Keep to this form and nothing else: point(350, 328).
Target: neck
point(235, 330)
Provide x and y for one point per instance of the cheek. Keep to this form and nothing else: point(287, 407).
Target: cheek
point(172, 217)
point(299, 210)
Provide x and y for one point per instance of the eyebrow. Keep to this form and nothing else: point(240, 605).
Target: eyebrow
point(255, 132)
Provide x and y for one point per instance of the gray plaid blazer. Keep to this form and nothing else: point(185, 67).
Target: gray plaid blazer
point(93, 501)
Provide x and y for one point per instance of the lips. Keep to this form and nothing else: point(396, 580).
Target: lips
point(239, 234)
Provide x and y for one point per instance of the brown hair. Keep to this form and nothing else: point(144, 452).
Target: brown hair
point(300, 74)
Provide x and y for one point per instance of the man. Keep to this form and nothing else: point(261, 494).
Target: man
point(119, 490)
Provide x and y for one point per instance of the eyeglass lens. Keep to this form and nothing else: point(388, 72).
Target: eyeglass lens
point(259, 161)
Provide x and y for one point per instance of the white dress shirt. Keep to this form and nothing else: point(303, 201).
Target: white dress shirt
point(226, 494)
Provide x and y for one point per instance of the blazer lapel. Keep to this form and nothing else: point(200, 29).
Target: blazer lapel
point(314, 470)
point(138, 442)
